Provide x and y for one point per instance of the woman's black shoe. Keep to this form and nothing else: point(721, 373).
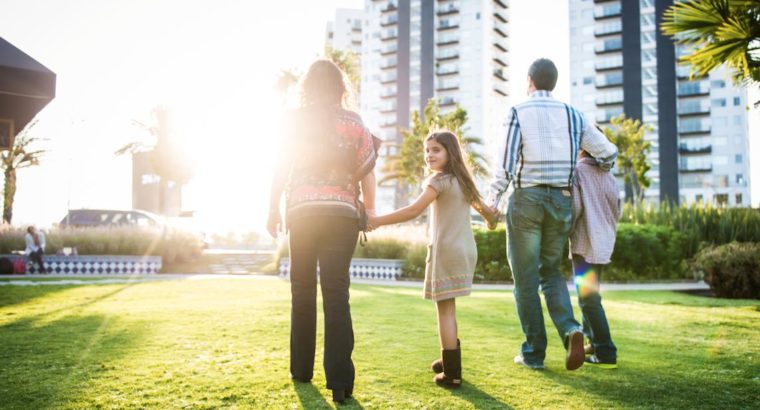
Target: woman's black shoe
point(339, 396)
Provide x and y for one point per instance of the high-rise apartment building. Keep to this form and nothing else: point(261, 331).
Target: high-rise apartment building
point(620, 62)
point(345, 32)
point(415, 50)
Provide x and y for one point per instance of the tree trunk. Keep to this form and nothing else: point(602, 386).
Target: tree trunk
point(163, 190)
point(9, 192)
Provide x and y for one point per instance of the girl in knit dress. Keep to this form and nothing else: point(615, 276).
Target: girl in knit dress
point(451, 252)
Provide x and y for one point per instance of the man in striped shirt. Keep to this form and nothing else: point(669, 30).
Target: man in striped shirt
point(538, 157)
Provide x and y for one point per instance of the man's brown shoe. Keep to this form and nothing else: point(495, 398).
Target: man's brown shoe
point(575, 353)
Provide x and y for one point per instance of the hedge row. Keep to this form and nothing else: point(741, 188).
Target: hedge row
point(642, 252)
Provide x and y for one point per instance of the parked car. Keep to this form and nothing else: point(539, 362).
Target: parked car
point(110, 217)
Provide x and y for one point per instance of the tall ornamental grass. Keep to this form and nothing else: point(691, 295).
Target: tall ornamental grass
point(702, 225)
point(171, 244)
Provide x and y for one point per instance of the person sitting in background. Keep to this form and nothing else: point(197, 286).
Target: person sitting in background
point(35, 246)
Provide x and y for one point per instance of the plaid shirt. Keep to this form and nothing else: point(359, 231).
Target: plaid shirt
point(541, 146)
point(596, 211)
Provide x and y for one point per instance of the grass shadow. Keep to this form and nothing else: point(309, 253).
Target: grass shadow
point(311, 398)
point(479, 398)
point(51, 364)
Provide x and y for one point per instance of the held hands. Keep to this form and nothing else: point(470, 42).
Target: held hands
point(492, 216)
point(372, 222)
point(274, 223)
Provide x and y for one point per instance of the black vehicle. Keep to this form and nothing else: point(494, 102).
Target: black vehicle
point(109, 217)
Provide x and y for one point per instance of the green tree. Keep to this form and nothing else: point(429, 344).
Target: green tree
point(628, 135)
point(407, 166)
point(721, 31)
point(168, 160)
point(19, 156)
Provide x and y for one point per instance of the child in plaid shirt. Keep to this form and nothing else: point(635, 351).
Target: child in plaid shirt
point(596, 210)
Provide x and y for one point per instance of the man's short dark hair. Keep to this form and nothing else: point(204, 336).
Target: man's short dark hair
point(543, 72)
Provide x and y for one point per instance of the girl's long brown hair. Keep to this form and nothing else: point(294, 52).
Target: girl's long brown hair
point(457, 165)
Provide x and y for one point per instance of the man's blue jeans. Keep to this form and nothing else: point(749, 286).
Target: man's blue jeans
point(595, 326)
point(538, 224)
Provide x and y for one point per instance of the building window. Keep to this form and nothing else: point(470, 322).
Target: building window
point(588, 80)
point(719, 102)
point(718, 83)
point(699, 198)
point(739, 198)
point(737, 101)
point(721, 199)
point(738, 158)
point(740, 179)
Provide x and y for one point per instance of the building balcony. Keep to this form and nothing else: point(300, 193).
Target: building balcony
point(447, 56)
point(388, 94)
point(387, 80)
point(447, 10)
point(690, 91)
point(500, 17)
point(501, 46)
point(501, 90)
point(443, 73)
point(694, 112)
point(608, 11)
point(388, 124)
point(389, 50)
point(616, 65)
point(389, 21)
point(605, 103)
point(691, 170)
point(388, 109)
point(447, 41)
point(388, 65)
point(390, 7)
point(501, 4)
point(498, 60)
point(686, 150)
point(609, 46)
point(694, 131)
point(498, 30)
point(447, 26)
point(499, 73)
point(389, 35)
point(447, 101)
point(609, 83)
point(608, 31)
point(447, 87)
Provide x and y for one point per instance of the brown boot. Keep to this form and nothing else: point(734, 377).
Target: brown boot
point(451, 376)
point(437, 364)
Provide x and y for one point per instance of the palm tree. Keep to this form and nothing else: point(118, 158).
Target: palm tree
point(18, 157)
point(407, 166)
point(167, 158)
point(721, 31)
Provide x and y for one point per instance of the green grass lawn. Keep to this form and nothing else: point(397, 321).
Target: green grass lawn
point(223, 343)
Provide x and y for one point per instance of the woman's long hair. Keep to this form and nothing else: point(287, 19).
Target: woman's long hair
point(456, 165)
point(324, 84)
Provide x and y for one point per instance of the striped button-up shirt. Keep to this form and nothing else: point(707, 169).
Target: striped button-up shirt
point(596, 210)
point(541, 146)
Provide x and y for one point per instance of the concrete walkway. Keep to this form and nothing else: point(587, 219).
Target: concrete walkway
point(53, 279)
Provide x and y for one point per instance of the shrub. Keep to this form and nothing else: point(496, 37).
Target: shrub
point(732, 270)
point(647, 252)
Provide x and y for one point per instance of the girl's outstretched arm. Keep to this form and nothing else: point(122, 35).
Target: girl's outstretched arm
point(408, 212)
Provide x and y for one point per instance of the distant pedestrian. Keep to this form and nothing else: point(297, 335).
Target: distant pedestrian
point(596, 211)
point(35, 246)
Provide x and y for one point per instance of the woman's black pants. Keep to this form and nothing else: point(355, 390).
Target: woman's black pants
point(327, 242)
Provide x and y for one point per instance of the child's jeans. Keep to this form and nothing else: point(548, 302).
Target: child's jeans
point(595, 326)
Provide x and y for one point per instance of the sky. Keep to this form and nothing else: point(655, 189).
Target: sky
point(214, 63)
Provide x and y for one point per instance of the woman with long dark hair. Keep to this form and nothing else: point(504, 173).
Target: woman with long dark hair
point(325, 168)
